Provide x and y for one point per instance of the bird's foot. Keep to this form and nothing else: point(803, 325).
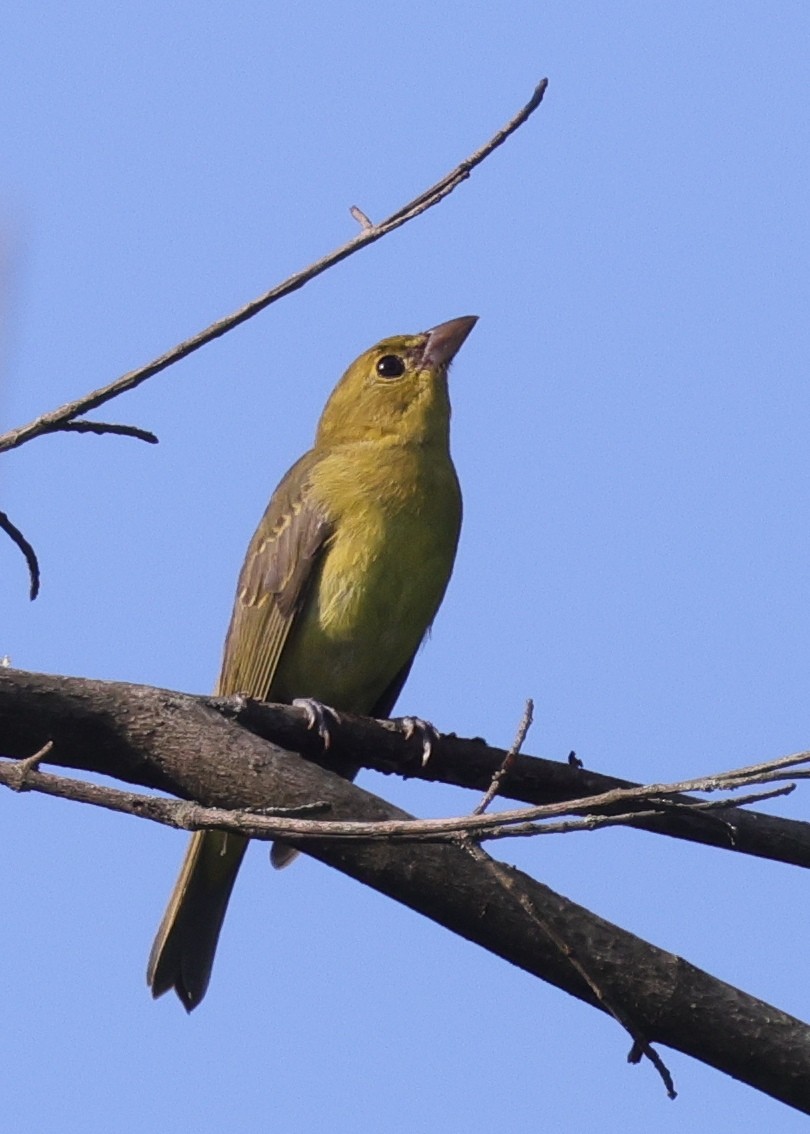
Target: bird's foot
point(317, 715)
point(413, 725)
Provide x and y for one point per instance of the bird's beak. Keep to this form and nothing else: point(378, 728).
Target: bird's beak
point(444, 341)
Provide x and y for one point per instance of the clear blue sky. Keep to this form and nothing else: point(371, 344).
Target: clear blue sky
point(630, 430)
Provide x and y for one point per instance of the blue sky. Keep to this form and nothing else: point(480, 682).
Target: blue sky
point(630, 429)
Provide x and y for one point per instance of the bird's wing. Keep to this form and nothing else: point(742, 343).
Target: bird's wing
point(384, 705)
point(278, 568)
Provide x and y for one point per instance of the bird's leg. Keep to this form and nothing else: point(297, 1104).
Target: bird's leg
point(317, 714)
point(429, 734)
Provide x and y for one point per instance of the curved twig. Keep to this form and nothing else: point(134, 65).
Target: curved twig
point(25, 547)
point(84, 426)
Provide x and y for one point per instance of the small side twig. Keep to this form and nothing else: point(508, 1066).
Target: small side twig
point(641, 1045)
point(20, 771)
point(25, 547)
point(360, 217)
point(509, 759)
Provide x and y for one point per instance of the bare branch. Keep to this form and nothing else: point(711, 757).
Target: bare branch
point(472, 764)
point(182, 745)
point(466, 763)
point(368, 235)
point(181, 814)
point(282, 823)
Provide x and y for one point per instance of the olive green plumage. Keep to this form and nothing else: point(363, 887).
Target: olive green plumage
point(341, 581)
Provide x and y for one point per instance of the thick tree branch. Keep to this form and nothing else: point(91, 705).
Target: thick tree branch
point(180, 744)
point(472, 764)
point(382, 746)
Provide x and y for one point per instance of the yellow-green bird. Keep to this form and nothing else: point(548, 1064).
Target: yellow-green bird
point(341, 582)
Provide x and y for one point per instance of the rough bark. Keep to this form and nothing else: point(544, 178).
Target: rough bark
point(183, 745)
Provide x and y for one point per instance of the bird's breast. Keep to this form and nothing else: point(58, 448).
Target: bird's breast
point(381, 577)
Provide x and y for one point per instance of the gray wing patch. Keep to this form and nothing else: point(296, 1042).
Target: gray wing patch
point(280, 563)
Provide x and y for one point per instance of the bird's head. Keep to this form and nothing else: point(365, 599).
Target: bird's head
point(397, 389)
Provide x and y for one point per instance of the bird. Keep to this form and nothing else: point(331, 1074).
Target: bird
point(340, 585)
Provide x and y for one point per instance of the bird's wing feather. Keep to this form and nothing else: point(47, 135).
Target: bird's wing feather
point(279, 566)
point(384, 705)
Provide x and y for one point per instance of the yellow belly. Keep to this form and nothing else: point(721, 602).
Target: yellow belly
point(377, 591)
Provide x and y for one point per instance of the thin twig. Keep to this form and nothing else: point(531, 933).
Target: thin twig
point(21, 775)
point(641, 1045)
point(360, 217)
point(425, 200)
point(25, 547)
point(511, 829)
point(267, 825)
point(21, 769)
point(509, 759)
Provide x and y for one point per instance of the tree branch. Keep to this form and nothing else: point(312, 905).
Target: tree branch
point(370, 233)
point(268, 823)
point(472, 764)
point(182, 745)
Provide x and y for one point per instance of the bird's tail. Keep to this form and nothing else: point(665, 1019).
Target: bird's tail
point(186, 941)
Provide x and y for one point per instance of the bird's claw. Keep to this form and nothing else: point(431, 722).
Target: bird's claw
point(317, 714)
point(429, 734)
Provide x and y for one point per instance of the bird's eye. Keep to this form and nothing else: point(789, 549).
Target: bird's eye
point(390, 366)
